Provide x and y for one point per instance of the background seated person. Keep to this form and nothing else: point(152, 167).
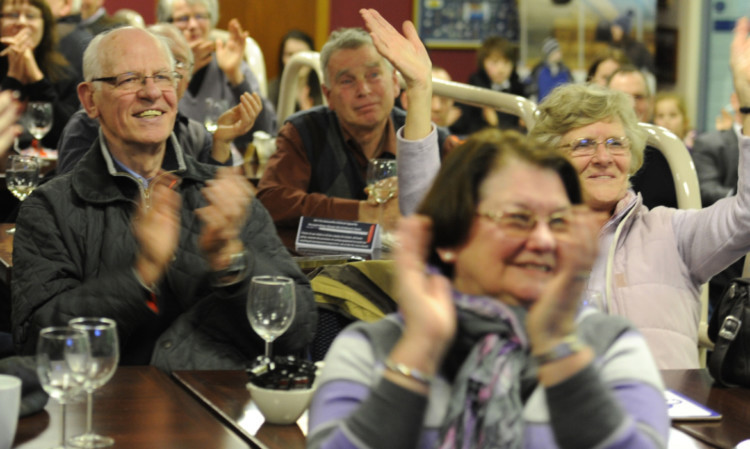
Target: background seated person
point(319, 167)
point(220, 71)
point(654, 179)
point(468, 361)
point(195, 140)
point(31, 64)
point(496, 70)
point(141, 233)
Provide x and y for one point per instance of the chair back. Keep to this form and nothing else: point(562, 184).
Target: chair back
point(288, 87)
point(688, 197)
point(516, 105)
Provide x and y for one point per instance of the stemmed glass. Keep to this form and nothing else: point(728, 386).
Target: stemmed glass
point(382, 184)
point(22, 177)
point(62, 357)
point(38, 120)
point(270, 307)
point(105, 354)
point(214, 109)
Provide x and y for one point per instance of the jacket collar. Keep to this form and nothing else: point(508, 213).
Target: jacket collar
point(97, 178)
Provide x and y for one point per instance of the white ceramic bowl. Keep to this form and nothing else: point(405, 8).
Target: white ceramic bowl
point(281, 406)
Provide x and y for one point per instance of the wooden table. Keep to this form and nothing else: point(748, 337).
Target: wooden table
point(224, 393)
point(732, 403)
point(6, 252)
point(141, 407)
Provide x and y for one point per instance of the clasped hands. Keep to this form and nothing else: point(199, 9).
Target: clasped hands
point(22, 64)
point(157, 225)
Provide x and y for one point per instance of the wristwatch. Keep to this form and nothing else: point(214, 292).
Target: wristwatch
point(567, 347)
point(233, 272)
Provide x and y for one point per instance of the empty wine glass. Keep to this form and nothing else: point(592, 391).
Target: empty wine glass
point(105, 354)
point(37, 119)
point(62, 356)
point(214, 109)
point(382, 185)
point(22, 177)
point(270, 307)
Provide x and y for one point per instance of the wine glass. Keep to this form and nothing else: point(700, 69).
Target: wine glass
point(37, 119)
point(382, 185)
point(62, 357)
point(22, 177)
point(214, 109)
point(105, 354)
point(270, 307)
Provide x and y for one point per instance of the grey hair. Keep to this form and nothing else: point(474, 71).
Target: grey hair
point(94, 58)
point(174, 38)
point(573, 106)
point(344, 38)
point(164, 10)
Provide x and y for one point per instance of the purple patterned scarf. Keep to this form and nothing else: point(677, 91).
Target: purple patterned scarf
point(485, 409)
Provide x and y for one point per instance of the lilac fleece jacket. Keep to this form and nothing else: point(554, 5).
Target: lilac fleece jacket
point(616, 402)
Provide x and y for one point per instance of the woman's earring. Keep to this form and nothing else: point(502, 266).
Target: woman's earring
point(448, 256)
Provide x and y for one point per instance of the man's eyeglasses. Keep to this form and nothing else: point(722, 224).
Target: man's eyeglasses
point(16, 16)
point(182, 65)
point(134, 81)
point(585, 146)
point(184, 19)
point(521, 222)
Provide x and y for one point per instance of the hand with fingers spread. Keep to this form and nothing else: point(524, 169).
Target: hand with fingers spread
point(425, 302)
point(229, 196)
point(425, 299)
point(156, 226)
point(230, 54)
point(234, 123)
point(409, 56)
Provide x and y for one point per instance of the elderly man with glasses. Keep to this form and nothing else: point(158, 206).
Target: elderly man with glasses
point(140, 232)
point(215, 149)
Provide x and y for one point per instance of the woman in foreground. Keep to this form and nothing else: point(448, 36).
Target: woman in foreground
point(491, 347)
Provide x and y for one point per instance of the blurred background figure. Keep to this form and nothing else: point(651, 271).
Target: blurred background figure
point(654, 179)
point(550, 72)
point(605, 65)
point(130, 17)
point(634, 50)
point(30, 64)
point(443, 111)
point(220, 72)
point(95, 18)
point(308, 91)
point(496, 70)
point(73, 37)
point(671, 113)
